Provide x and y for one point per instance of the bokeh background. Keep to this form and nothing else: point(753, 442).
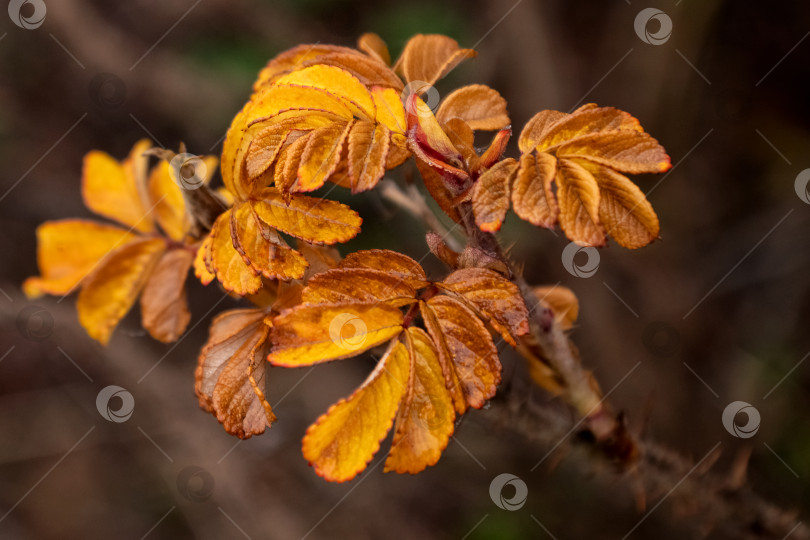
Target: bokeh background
point(717, 311)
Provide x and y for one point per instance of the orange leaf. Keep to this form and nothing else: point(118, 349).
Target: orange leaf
point(368, 150)
point(424, 422)
point(231, 371)
point(311, 334)
point(480, 106)
point(624, 210)
point(319, 221)
point(430, 57)
point(342, 442)
point(392, 263)
point(261, 247)
point(374, 46)
point(286, 170)
point(109, 292)
point(228, 264)
point(490, 195)
point(369, 71)
point(445, 357)
point(532, 198)
point(336, 81)
point(626, 151)
point(586, 120)
point(578, 195)
point(437, 189)
point(364, 285)
point(562, 301)
point(536, 128)
point(284, 97)
point(167, 198)
point(429, 142)
point(321, 155)
point(473, 355)
point(112, 190)
point(68, 251)
point(269, 140)
point(294, 58)
point(495, 297)
point(164, 311)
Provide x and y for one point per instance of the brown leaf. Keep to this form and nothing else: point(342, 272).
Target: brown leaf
point(231, 371)
point(430, 57)
point(473, 355)
point(445, 357)
point(395, 264)
point(480, 106)
point(578, 195)
point(532, 197)
point(368, 151)
point(289, 160)
point(321, 155)
point(374, 46)
point(624, 210)
point(586, 121)
point(229, 266)
point(164, 311)
point(261, 247)
point(490, 195)
point(435, 186)
point(348, 285)
point(626, 151)
point(536, 128)
point(497, 298)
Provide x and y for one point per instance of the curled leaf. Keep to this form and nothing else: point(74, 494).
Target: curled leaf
point(478, 105)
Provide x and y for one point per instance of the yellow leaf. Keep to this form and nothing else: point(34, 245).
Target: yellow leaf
point(337, 82)
point(262, 248)
point(368, 150)
point(286, 170)
point(111, 189)
point(311, 334)
point(267, 143)
point(342, 442)
point(480, 106)
point(390, 111)
point(532, 197)
point(170, 209)
point(229, 266)
point(586, 121)
point(490, 195)
point(495, 297)
point(473, 356)
point(164, 310)
point(68, 251)
point(578, 195)
point(321, 155)
point(109, 292)
point(624, 210)
point(364, 285)
point(293, 59)
point(424, 422)
point(369, 71)
point(536, 128)
point(430, 57)
point(203, 266)
point(392, 263)
point(280, 97)
point(319, 221)
point(374, 46)
point(231, 371)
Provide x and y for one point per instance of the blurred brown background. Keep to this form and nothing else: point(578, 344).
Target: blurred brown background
point(715, 312)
